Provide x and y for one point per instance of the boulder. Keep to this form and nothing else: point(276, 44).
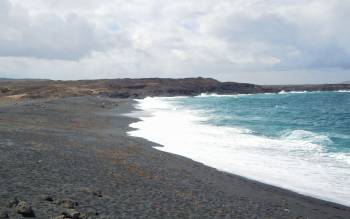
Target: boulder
point(25, 209)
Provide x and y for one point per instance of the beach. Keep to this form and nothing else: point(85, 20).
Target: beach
point(53, 151)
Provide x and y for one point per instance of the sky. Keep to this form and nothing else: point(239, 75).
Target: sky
point(256, 41)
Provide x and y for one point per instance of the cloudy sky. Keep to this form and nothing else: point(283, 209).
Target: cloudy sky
point(259, 41)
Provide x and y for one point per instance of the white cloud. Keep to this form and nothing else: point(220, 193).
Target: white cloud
point(225, 39)
point(50, 36)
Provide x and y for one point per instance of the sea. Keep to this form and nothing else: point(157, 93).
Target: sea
point(298, 141)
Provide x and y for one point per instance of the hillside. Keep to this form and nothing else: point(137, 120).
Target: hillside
point(139, 88)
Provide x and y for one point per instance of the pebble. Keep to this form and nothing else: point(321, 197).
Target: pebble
point(13, 203)
point(59, 217)
point(47, 198)
point(67, 203)
point(71, 213)
point(3, 214)
point(97, 193)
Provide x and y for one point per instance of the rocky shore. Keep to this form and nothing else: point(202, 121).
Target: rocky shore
point(140, 88)
point(71, 158)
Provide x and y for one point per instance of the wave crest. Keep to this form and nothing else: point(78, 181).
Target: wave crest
point(296, 160)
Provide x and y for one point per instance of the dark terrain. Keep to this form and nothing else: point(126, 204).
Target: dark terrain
point(64, 153)
point(139, 88)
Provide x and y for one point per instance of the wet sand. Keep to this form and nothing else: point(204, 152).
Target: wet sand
point(77, 149)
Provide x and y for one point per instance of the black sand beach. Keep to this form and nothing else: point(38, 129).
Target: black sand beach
point(74, 153)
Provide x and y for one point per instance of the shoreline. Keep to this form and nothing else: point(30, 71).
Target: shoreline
point(75, 148)
point(159, 126)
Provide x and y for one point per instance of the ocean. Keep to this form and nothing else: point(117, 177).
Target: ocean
point(299, 141)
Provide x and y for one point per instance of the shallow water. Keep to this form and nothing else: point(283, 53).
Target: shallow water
point(298, 141)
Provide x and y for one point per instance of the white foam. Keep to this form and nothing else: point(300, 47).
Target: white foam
point(221, 95)
point(307, 136)
point(293, 92)
point(303, 92)
point(297, 161)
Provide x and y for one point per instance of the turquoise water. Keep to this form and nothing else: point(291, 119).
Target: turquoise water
point(324, 114)
point(297, 141)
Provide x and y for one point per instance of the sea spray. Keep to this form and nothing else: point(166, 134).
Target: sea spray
point(297, 141)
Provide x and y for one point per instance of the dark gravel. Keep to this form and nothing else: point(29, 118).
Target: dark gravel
point(72, 157)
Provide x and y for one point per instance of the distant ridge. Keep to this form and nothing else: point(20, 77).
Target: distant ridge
point(144, 87)
point(346, 82)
